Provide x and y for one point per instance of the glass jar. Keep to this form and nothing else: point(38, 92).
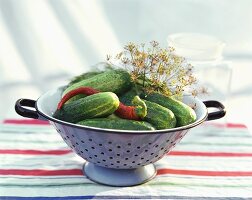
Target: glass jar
point(204, 52)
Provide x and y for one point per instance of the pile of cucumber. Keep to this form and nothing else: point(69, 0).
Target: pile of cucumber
point(115, 86)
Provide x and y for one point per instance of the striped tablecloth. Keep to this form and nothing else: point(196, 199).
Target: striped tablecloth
point(213, 161)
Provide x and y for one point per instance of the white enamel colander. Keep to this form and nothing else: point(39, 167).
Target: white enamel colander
point(116, 157)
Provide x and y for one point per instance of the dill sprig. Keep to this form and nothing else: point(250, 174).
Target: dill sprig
point(157, 69)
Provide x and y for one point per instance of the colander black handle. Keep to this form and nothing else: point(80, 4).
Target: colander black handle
point(217, 114)
point(25, 112)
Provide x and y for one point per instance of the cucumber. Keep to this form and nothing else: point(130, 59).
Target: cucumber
point(121, 124)
point(184, 114)
point(159, 116)
point(97, 105)
point(117, 81)
point(82, 77)
point(127, 97)
point(79, 78)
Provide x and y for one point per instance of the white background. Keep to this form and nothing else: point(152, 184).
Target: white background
point(45, 42)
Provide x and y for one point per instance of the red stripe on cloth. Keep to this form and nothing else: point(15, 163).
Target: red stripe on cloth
point(209, 154)
point(228, 125)
point(41, 172)
point(26, 121)
point(232, 125)
point(41, 122)
point(172, 153)
point(203, 173)
point(77, 172)
point(35, 152)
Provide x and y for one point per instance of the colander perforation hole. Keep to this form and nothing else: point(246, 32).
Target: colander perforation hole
point(73, 146)
point(90, 157)
point(125, 164)
point(128, 151)
point(111, 158)
point(104, 160)
point(136, 155)
point(147, 160)
point(118, 146)
point(68, 137)
point(102, 153)
point(152, 154)
point(133, 161)
point(110, 150)
point(100, 145)
point(90, 140)
point(95, 156)
point(73, 135)
point(146, 150)
point(112, 164)
point(126, 158)
point(109, 142)
point(77, 143)
point(162, 148)
point(129, 144)
point(106, 165)
point(117, 166)
point(93, 147)
point(118, 161)
point(118, 154)
point(167, 140)
point(142, 158)
point(150, 143)
point(82, 141)
point(156, 156)
point(81, 151)
point(138, 147)
point(156, 145)
point(98, 162)
point(86, 150)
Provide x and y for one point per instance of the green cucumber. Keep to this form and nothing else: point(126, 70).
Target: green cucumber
point(121, 124)
point(117, 81)
point(82, 77)
point(128, 96)
point(97, 105)
point(184, 114)
point(159, 116)
point(79, 78)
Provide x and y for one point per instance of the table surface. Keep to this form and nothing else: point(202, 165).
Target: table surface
point(213, 161)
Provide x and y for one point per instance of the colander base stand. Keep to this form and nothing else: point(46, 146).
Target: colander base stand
point(119, 177)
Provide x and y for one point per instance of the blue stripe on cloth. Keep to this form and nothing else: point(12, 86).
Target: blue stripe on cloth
point(121, 197)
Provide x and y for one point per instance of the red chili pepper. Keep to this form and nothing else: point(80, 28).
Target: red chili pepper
point(127, 112)
point(136, 112)
point(81, 90)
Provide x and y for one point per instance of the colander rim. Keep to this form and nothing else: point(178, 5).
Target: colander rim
point(116, 131)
